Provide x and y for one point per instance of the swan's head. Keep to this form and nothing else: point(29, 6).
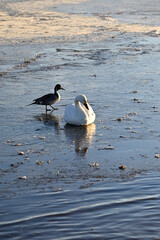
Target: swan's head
point(82, 98)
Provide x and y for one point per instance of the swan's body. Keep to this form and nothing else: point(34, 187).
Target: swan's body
point(79, 113)
point(49, 99)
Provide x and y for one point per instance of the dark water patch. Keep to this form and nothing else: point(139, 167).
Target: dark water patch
point(75, 213)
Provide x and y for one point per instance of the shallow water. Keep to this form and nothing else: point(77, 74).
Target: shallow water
point(63, 195)
point(123, 210)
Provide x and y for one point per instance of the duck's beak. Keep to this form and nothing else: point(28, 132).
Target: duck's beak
point(62, 88)
point(86, 105)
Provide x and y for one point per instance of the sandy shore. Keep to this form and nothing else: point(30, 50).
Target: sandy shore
point(37, 22)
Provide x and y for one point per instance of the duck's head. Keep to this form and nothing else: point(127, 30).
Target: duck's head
point(58, 87)
point(82, 98)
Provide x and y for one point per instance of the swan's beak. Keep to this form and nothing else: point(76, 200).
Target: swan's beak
point(86, 105)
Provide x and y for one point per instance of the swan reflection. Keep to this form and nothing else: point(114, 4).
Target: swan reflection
point(81, 136)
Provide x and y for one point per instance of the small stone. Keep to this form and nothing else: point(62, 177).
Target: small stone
point(42, 138)
point(18, 144)
point(119, 119)
point(122, 136)
point(95, 164)
point(23, 177)
point(39, 163)
point(127, 117)
point(128, 128)
point(78, 149)
point(107, 106)
point(134, 91)
point(123, 167)
point(21, 153)
point(154, 107)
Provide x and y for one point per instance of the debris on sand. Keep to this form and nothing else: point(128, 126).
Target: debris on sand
point(21, 153)
point(18, 144)
point(39, 163)
point(107, 148)
point(23, 177)
point(122, 136)
point(42, 138)
point(9, 141)
point(155, 107)
point(95, 164)
point(134, 91)
point(119, 119)
point(122, 167)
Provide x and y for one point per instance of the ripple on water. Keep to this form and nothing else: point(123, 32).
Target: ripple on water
point(122, 210)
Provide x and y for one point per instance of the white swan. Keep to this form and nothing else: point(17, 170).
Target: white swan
point(80, 113)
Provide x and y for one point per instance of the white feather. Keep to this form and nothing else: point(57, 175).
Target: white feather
point(78, 114)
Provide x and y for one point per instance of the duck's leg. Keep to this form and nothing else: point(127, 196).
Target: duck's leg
point(53, 108)
point(47, 109)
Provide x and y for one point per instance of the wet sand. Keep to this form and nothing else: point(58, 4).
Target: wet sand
point(52, 21)
point(110, 53)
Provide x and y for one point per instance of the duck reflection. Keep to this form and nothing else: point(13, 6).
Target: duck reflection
point(81, 136)
point(49, 120)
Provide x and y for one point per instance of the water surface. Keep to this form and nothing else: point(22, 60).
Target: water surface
point(110, 53)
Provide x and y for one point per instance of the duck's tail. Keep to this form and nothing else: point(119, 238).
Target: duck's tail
point(30, 104)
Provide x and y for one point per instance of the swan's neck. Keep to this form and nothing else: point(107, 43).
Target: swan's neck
point(77, 104)
point(79, 107)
